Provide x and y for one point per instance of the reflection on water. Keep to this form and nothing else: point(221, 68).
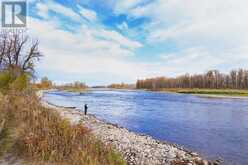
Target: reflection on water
point(213, 127)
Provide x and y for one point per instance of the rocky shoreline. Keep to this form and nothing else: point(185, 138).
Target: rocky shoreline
point(137, 149)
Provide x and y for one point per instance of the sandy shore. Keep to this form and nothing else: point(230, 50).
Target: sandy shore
point(137, 149)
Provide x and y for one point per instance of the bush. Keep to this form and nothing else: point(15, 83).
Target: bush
point(9, 81)
point(5, 80)
point(40, 134)
point(20, 83)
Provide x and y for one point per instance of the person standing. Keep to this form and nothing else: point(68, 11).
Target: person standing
point(85, 109)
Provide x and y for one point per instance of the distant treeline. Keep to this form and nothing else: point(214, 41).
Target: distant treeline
point(122, 86)
point(44, 83)
point(75, 86)
point(213, 79)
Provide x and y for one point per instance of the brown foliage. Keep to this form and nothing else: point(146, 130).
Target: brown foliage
point(45, 83)
point(213, 79)
point(122, 86)
point(41, 134)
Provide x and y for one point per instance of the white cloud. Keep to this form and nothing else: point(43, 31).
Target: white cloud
point(112, 36)
point(210, 23)
point(84, 52)
point(88, 14)
point(191, 60)
point(215, 29)
point(123, 26)
point(208, 35)
point(43, 9)
point(122, 6)
point(119, 38)
point(199, 60)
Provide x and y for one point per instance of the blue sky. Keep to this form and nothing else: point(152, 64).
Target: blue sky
point(105, 41)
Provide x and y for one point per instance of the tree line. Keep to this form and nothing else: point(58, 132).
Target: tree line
point(44, 83)
point(213, 79)
point(75, 86)
point(121, 86)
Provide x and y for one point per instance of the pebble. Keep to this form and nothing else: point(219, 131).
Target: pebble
point(136, 149)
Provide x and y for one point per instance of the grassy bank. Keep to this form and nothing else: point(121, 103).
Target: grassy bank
point(37, 134)
point(218, 92)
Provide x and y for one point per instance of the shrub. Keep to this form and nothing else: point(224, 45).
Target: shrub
point(9, 80)
point(5, 79)
point(20, 83)
point(40, 134)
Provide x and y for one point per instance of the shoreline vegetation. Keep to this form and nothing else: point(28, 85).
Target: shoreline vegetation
point(218, 93)
point(209, 93)
point(135, 148)
point(33, 134)
point(121, 86)
point(210, 84)
point(76, 86)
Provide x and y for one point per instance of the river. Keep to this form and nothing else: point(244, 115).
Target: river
point(213, 127)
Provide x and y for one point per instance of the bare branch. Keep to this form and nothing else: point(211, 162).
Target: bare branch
point(17, 51)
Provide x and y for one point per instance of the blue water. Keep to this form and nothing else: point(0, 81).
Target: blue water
point(212, 127)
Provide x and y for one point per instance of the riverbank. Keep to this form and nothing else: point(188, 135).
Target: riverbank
point(135, 148)
point(33, 134)
point(211, 93)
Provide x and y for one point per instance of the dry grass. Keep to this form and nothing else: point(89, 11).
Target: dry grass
point(34, 132)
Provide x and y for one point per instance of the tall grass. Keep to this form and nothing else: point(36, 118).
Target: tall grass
point(39, 134)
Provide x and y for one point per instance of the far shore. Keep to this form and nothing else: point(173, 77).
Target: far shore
point(208, 93)
point(205, 93)
point(136, 148)
point(220, 96)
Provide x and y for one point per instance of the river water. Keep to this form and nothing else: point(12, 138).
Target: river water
point(213, 127)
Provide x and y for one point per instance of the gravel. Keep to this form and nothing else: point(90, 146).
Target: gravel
point(137, 149)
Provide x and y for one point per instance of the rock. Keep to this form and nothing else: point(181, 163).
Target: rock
point(136, 149)
point(205, 162)
point(194, 154)
point(220, 160)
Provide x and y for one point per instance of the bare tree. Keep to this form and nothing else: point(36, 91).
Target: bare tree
point(212, 79)
point(2, 49)
point(18, 51)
